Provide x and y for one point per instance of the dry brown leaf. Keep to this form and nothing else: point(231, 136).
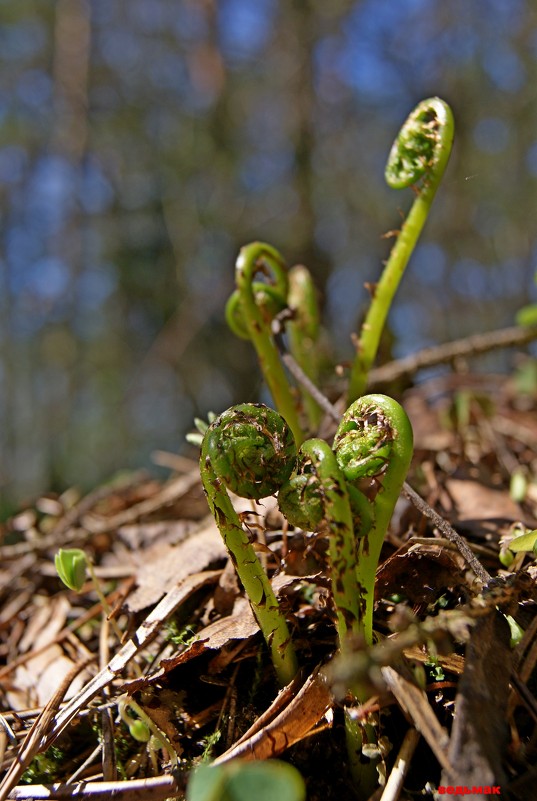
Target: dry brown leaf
point(451, 663)
point(273, 733)
point(163, 566)
point(422, 571)
point(485, 511)
point(142, 637)
point(240, 625)
point(157, 706)
point(36, 680)
point(139, 536)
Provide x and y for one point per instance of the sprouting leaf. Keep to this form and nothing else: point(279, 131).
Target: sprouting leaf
point(517, 632)
point(524, 542)
point(525, 377)
point(140, 731)
point(206, 784)
point(266, 781)
point(518, 486)
point(506, 557)
point(196, 437)
point(71, 567)
point(527, 315)
point(272, 780)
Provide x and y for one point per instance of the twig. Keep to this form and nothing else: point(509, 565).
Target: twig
point(394, 785)
point(86, 764)
point(33, 740)
point(134, 790)
point(414, 702)
point(525, 695)
point(304, 380)
point(459, 348)
point(449, 532)
point(145, 633)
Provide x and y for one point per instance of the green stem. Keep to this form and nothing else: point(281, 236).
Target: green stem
point(317, 499)
point(303, 332)
point(153, 731)
point(251, 450)
point(107, 612)
point(259, 257)
point(374, 440)
point(420, 152)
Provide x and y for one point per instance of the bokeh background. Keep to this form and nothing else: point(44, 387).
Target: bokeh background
point(142, 142)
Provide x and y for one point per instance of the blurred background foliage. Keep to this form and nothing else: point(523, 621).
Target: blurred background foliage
point(142, 142)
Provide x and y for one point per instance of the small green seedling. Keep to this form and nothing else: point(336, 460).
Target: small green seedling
point(143, 730)
point(526, 542)
point(516, 631)
point(201, 426)
point(71, 565)
point(518, 485)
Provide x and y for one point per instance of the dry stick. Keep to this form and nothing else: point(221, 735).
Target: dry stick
point(449, 533)
point(32, 742)
point(525, 695)
point(297, 372)
point(90, 759)
point(411, 494)
point(397, 776)
point(90, 613)
point(145, 633)
point(459, 348)
point(153, 789)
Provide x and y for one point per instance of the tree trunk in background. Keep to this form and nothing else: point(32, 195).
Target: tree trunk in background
point(68, 141)
point(298, 33)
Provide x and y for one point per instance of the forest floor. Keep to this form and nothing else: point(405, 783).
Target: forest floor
point(455, 700)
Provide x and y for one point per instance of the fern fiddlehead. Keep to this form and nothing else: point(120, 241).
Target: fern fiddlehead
point(249, 313)
point(374, 441)
point(418, 158)
point(250, 450)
